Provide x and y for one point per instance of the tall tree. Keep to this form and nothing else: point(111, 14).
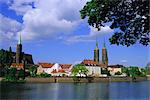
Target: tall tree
point(79, 69)
point(130, 16)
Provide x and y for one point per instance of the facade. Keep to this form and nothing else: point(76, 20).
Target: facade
point(54, 69)
point(114, 69)
point(19, 56)
point(93, 67)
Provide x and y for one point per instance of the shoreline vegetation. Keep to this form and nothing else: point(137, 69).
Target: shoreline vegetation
point(77, 79)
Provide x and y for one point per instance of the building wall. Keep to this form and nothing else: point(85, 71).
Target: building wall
point(114, 70)
point(40, 70)
point(94, 70)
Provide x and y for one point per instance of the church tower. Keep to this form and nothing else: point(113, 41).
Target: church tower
point(19, 51)
point(104, 55)
point(96, 53)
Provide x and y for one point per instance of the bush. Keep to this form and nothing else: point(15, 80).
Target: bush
point(45, 75)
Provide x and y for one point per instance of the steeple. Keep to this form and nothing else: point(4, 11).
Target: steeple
point(104, 55)
point(96, 45)
point(104, 45)
point(19, 51)
point(96, 53)
point(19, 42)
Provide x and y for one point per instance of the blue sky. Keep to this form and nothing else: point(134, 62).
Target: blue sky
point(52, 31)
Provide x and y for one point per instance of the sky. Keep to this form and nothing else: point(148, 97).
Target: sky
point(52, 31)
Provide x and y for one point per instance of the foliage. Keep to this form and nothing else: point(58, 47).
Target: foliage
point(147, 70)
point(79, 68)
point(125, 70)
point(105, 71)
point(45, 75)
point(130, 16)
point(118, 73)
point(21, 74)
point(5, 57)
point(133, 71)
point(11, 76)
point(32, 70)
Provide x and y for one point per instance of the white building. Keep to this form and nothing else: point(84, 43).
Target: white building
point(54, 69)
point(94, 69)
point(114, 69)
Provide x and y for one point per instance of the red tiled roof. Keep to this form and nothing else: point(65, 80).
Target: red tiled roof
point(65, 66)
point(46, 65)
point(17, 65)
point(61, 70)
point(89, 62)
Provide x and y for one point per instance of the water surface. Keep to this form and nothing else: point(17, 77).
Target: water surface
point(76, 91)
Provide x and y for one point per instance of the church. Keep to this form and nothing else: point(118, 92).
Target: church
point(95, 66)
point(20, 59)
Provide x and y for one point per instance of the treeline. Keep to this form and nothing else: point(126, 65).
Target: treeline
point(6, 57)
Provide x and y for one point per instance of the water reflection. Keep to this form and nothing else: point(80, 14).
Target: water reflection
point(76, 91)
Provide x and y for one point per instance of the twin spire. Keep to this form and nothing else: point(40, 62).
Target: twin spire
point(104, 45)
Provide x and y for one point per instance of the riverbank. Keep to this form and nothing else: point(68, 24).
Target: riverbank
point(81, 80)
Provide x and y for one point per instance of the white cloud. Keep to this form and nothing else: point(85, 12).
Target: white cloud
point(123, 61)
point(51, 18)
point(8, 30)
point(20, 6)
point(94, 33)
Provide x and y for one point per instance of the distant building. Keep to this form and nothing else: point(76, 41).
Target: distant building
point(96, 53)
point(104, 56)
point(20, 60)
point(94, 68)
point(104, 61)
point(114, 69)
point(54, 69)
point(19, 56)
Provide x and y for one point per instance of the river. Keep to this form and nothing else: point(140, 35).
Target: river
point(76, 91)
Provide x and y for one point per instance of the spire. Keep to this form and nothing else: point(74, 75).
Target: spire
point(19, 38)
point(96, 44)
point(104, 45)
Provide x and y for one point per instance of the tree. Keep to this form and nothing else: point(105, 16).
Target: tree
point(130, 16)
point(32, 70)
point(11, 76)
point(5, 57)
point(79, 69)
point(21, 74)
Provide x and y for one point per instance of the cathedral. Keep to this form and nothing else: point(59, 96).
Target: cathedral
point(21, 57)
point(104, 61)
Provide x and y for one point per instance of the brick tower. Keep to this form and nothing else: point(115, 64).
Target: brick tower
point(96, 53)
point(19, 51)
point(104, 56)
